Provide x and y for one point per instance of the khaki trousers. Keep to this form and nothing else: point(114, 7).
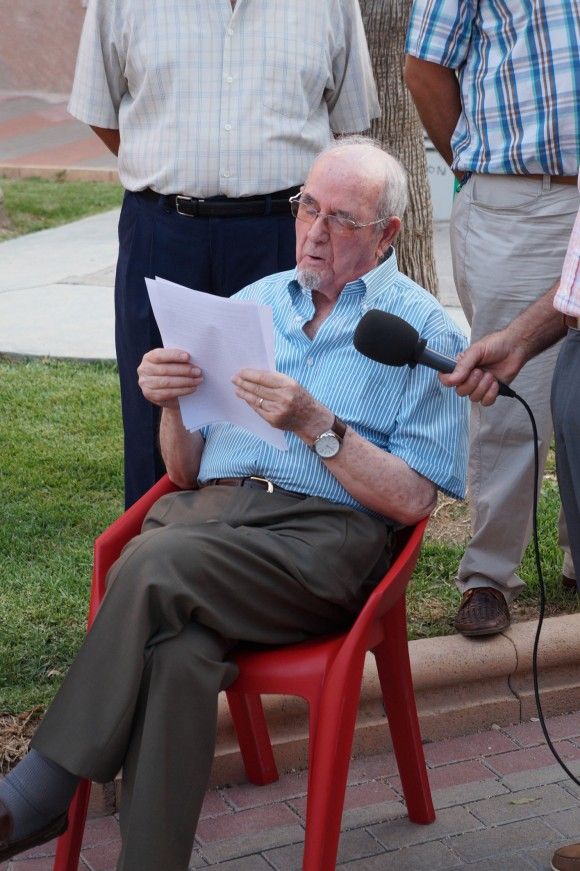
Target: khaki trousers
point(509, 236)
point(210, 568)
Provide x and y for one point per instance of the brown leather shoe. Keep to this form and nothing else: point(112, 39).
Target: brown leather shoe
point(10, 848)
point(567, 858)
point(569, 583)
point(483, 611)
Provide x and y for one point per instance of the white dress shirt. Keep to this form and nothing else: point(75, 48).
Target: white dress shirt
point(213, 100)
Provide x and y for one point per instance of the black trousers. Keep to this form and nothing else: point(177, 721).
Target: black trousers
point(211, 568)
point(214, 255)
point(566, 415)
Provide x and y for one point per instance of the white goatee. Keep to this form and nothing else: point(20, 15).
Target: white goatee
point(309, 279)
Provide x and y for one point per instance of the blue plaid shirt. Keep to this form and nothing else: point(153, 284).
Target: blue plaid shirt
point(404, 411)
point(518, 64)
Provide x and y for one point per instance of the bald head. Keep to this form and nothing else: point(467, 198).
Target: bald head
point(365, 162)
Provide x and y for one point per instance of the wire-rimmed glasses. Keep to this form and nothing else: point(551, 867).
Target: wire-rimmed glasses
point(303, 209)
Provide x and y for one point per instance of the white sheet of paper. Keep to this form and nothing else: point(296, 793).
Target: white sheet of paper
point(222, 336)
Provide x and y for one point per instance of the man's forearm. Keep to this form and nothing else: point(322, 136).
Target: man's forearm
point(435, 91)
point(381, 481)
point(111, 138)
point(538, 327)
point(181, 450)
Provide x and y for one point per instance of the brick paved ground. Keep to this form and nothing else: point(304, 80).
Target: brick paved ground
point(501, 801)
point(37, 132)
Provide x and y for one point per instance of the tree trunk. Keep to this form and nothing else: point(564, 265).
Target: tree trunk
point(400, 130)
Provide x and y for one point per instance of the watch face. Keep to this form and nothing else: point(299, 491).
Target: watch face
point(327, 445)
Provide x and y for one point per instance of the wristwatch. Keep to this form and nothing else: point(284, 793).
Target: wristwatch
point(329, 443)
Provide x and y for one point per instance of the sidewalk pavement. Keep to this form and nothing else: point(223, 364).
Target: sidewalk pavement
point(501, 803)
point(501, 800)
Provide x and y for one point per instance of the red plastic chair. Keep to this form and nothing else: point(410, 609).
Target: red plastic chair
point(328, 674)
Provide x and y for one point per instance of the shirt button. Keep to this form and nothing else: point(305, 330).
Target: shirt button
point(229, 79)
point(227, 126)
point(297, 319)
point(310, 361)
point(230, 32)
point(225, 174)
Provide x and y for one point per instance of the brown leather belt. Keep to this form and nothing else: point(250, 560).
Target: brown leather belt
point(555, 179)
point(255, 483)
point(223, 207)
point(572, 321)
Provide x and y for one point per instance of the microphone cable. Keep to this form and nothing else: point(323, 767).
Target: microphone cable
point(542, 586)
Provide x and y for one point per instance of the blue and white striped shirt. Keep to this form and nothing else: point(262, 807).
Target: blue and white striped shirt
point(518, 64)
point(404, 411)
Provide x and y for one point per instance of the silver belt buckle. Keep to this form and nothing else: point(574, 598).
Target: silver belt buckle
point(186, 200)
point(269, 485)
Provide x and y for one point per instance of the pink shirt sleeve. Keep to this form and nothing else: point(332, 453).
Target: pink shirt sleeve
point(567, 299)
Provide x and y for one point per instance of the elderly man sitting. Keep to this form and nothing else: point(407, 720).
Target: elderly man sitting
point(232, 558)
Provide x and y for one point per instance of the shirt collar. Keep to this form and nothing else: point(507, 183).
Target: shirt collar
point(368, 286)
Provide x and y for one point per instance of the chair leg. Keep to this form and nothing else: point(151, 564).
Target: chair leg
point(253, 737)
point(68, 848)
point(328, 772)
point(394, 668)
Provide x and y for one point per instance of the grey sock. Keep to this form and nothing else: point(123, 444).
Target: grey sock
point(35, 792)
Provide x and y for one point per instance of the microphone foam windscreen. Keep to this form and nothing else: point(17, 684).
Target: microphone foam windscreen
point(386, 338)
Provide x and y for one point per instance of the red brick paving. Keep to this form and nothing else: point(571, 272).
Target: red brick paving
point(528, 758)
point(361, 795)
point(71, 154)
point(469, 747)
point(30, 122)
point(232, 813)
point(245, 822)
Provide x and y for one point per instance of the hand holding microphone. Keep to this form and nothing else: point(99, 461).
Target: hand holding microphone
point(389, 339)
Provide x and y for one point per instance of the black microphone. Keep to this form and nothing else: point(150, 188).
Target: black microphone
point(389, 339)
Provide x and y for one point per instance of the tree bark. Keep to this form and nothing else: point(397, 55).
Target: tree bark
point(401, 131)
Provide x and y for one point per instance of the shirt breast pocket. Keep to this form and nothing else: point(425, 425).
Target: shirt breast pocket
point(295, 77)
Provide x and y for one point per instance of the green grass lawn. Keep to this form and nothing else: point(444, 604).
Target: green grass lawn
point(61, 484)
point(36, 204)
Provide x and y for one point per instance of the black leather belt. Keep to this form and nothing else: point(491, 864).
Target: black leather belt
point(254, 482)
point(224, 207)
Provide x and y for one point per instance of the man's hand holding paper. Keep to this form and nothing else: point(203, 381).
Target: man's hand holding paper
point(282, 401)
point(165, 374)
point(217, 338)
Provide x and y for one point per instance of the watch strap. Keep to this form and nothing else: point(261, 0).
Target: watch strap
point(338, 427)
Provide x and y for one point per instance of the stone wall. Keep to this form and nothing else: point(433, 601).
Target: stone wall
point(38, 44)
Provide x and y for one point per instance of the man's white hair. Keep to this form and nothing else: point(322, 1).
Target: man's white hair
point(394, 195)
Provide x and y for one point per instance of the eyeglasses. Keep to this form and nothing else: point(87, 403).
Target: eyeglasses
point(339, 225)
